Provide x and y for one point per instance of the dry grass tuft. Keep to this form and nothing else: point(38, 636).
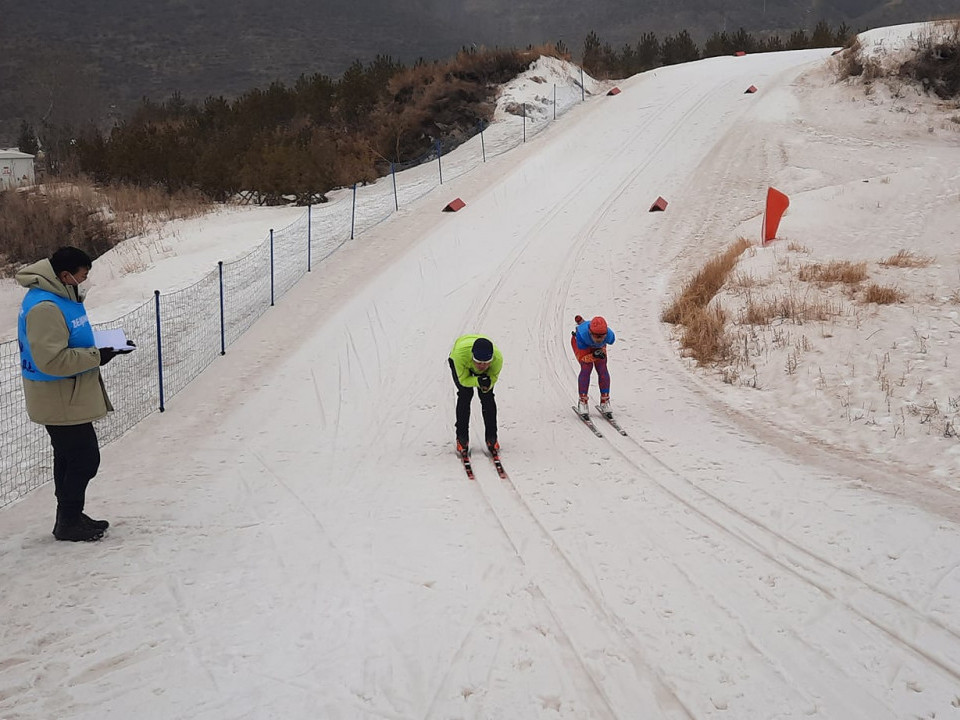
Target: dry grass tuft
point(794, 246)
point(798, 310)
point(906, 258)
point(704, 336)
point(698, 293)
point(882, 294)
point(838, 271)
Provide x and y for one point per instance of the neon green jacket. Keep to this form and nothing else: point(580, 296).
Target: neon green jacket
point(462, 356)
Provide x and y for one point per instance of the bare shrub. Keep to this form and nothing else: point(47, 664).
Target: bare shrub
point(906, 258)
point(937, 63)
point(450, 97)
point(837, 271)
point(849, 62)
point(882, 294)
point(794, 246)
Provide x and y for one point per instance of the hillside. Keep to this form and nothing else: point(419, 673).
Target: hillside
point(62, 61)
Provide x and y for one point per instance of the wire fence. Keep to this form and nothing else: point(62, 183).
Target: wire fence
point(180, 333)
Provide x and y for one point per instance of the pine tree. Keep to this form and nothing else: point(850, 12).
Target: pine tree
point(590, 60)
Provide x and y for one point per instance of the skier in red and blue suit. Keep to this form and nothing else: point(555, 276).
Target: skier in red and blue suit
point(589, 342)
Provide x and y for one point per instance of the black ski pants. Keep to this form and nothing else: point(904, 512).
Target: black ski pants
point(488, 406)
point(76, 459)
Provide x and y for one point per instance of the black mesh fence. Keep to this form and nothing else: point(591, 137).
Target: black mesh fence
point(195, 324)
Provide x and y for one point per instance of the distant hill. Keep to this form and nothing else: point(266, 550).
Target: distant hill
point(73, 61)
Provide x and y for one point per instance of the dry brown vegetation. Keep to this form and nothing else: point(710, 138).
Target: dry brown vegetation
point(850, 62)
point(882, 294)
point(704, 337)
point(937, 63)
point(908, 259)
point(35, 222)
point(837, 271)
point(791, 307)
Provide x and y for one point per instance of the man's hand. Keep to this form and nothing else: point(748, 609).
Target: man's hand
point(106, 355)
point(600, 354)
point(483, 382)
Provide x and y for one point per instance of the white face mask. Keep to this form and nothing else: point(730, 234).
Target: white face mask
point(75, 282)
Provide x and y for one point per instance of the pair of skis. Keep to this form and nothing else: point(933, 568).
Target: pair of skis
point(494, 457)
point(606, 416)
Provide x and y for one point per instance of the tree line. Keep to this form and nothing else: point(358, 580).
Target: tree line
point(601, 60)
point(320, 133)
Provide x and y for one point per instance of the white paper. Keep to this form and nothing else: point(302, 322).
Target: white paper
point(115, 339)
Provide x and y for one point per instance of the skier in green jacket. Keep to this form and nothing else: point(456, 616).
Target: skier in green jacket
point(475, 363)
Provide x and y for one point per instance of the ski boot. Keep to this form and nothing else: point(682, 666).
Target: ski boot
point(583, 407)
point(605, 405)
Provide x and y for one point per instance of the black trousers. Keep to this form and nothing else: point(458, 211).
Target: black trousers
point(76, 459)
point(488, 406)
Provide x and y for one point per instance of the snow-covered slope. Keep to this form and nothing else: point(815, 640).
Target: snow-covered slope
point(294, 537)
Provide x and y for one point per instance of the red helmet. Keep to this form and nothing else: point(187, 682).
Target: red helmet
point(598, 326)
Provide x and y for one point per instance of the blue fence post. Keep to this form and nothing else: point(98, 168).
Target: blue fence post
point(309, 237)
point(582, 97)
point(156, 298)
point(223, 340)
point(393, 172)
point(439, 166)
point(524, 122)
point(271, 267)
point(483, 149)
point(353, 211)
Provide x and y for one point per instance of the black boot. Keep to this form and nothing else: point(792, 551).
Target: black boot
point(97, 524)
point(74, 529)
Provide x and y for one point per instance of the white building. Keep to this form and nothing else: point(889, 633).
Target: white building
point(16, 169)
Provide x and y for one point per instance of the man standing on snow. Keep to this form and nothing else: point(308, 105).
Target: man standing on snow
point(589, 343)
point(60, 365)
point(475, 363)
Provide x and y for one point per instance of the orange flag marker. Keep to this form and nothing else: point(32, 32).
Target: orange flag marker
point(777, 204)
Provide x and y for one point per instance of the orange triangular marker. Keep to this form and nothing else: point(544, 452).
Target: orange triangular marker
point(454, 205)
point(751, 89)
point(777, 204)
point(614, 91)
point(659, 206)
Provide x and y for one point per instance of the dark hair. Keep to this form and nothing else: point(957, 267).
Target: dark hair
point(70, 259)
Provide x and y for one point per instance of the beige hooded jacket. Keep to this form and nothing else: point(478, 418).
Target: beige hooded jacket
point(80, 396)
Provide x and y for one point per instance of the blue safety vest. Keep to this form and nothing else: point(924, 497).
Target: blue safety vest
point(75, 315)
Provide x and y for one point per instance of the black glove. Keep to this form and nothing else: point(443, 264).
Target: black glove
point(483, 382)
point(600, 354)
point(106, 355)
point(130, 346)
